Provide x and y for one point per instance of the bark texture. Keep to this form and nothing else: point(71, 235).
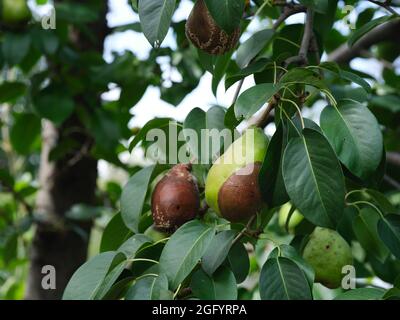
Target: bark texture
point(64, 183)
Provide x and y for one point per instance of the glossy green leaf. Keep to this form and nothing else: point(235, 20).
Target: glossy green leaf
point(184, 251)
point(389, 232)
point(361, 294)
point(359, 33)
point(282, 279)
point(217, 251)
point(114, 234)
point(220, 286)
point(133, 197)
point(365, 228)
point(150, 288)
point(314, 179)
point(251, 100)
point(354, 133)
point(252, 46)
point(155, 19)
point(86, 281)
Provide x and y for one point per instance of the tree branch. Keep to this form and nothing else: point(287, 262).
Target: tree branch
point(301, 58)
point(393, 158)
point(385, 5)
point(287, 12)
point(387, 31)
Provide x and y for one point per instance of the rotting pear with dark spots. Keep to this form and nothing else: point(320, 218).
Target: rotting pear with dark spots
point(175, 199)
point(205, 34)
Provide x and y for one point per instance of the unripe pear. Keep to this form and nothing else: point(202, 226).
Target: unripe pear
point(14, 12)
point(294, 220)
point(175, 199)
point(205, 34)
point(232, 188)
point(155, 234)
point(327, 252)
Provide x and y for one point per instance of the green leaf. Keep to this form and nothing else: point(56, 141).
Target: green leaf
point(255, 67)
point(54, 104)
point(198, 120)
point(291, 253)
point(86, 281)
point(133, 244)
point(354, 78)
point(252, 46)
point(227, 13)
point(184, 250)
point(114, 234)
point(389, 102)
point(117, 268)
point(220, 286)
point(359, 33)
point(304, 76)
point(9, 91)
point(389, 232)
point(217, 251)
point(354, 133)
point(133, 197)
point(270, 178)
point(150, 288)
point(155, 19)
point(314, 179)
point(361, 294)
point(282, 279)
point(365, 228)
point(25, 133)
point(220, 67)
point(251, 100)
point(152, 124)
point(238, 261)
point(16, 47)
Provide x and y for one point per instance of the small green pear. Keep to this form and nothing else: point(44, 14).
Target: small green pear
point(327, 252)
point(14, 12)
point(295, 219)
point(232, 188)
point(155, 234)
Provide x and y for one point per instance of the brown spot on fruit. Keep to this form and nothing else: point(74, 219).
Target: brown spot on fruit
point(175, 199)
point(205, 34)
point(239, 197)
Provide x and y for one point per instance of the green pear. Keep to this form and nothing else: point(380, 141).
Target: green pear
point(327, 252)
point(14, 11)
point(295, 219)
point(231, 187)
point(154, 234)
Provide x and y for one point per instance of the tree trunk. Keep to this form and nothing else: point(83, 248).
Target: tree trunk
point(63, 183)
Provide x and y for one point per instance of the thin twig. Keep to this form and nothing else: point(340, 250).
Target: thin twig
point(239, 87)
point(245, 229)
point(394, 183)
point(287, 12)
point(385, 5)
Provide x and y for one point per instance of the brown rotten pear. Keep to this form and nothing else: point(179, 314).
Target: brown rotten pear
point(232, 188)
point(205, 34)
point(239, 197)
point(175, 199)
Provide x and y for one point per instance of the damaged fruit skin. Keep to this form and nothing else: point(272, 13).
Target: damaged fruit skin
point(175, 199)
point(232, 183)
point(327, 252)
point(205, 34)
point(239, 197)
